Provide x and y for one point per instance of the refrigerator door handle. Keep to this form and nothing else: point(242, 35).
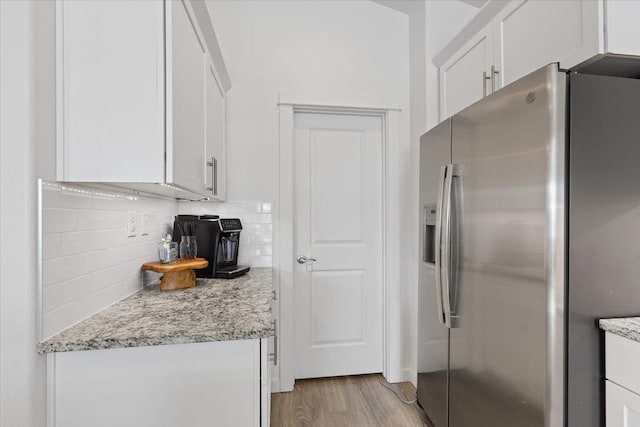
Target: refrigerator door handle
point(446, 251)
point(438, 241)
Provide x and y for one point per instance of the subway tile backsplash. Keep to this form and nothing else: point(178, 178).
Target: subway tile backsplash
point(256, 239)
point(89, 262)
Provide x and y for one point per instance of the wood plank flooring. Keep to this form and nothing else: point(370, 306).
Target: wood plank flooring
point(353, 401)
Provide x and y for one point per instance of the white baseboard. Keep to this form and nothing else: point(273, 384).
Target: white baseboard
point(411, 376)
point(275, 385)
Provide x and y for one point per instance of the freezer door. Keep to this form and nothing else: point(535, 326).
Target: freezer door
point(506, 360)
point(433, 336)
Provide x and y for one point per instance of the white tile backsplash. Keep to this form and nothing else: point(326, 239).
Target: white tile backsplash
point(256, 239)
point(89, 262)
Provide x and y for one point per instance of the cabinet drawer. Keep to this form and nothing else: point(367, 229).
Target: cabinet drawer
point(621, 361)
point(623, 406)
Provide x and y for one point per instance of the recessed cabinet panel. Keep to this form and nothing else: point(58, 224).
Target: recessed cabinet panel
point(462, 78)
point(532, 34)
point(187, 100)
point(194, 384)
point(110, 91)
point(622, 406)
point(623, 36)
point(623, 381)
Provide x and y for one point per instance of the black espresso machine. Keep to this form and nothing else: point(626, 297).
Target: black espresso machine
point(218, 240)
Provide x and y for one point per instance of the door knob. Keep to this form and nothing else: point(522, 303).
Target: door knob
point(302, 259)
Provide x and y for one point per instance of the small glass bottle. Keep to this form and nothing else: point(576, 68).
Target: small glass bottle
point(167, 250)
point(188, 247)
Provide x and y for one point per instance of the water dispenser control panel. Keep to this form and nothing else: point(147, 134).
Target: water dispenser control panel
point(230, 224)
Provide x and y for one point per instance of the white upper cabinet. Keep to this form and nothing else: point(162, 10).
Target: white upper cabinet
point(621, 27)
point(110, 91)
point(527, 35)
point(132, 80)
point(466, 76)
point(531, 34)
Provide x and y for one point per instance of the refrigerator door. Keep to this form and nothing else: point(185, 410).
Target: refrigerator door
point(507, 300)
point(604, 229)
point(433, 336)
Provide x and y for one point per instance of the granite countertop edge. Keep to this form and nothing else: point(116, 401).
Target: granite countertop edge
point(212, 311)
point(626, 327)
point(102, 344)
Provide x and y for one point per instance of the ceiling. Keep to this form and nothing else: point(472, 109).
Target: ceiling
point(475, 3)
point(405, 6)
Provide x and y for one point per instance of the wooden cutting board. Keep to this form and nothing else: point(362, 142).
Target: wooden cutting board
point(180, 275)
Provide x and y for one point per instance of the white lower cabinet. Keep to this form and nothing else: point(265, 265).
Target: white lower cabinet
point(623, 406)
point(203, 384)
point(623, 381)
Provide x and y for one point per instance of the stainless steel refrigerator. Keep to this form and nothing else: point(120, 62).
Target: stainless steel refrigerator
point(530, 232)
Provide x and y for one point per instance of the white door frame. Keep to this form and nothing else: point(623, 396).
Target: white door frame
point(283, 233)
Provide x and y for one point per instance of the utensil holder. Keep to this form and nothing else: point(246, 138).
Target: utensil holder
point(188, 247)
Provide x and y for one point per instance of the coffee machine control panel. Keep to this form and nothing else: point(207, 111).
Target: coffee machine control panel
point(230, 224)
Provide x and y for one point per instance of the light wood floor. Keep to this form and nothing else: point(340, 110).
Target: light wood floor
point(352, 401)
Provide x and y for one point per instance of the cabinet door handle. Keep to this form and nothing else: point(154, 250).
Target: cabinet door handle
point(494, 77)
point(484, 83)
point(212, 178)
point(215, 176)
point(274, 356)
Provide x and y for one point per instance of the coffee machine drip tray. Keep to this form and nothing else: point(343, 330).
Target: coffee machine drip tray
point(231, 272)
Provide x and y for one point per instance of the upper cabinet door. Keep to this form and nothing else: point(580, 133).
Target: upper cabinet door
point(186, 71)
point(215, 135)
point(110, 91)
point(622, 36)
point(531, 34)
point(466, 76)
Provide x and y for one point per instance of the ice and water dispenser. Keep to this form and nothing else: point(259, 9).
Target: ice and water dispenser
point(429, 224)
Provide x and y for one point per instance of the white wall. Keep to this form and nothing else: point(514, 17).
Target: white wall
point(302, 47)
point(329, 48)
point(443, 20)
point(432, 24)
point(22, 370)
point(418, 112)
point(256, 238)
point(89, 261)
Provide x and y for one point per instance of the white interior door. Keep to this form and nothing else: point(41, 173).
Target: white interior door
point(338, 222)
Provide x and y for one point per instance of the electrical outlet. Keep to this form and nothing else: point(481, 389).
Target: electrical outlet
point(131, 224)
point(144, 225)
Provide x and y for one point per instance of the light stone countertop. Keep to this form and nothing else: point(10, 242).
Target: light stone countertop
point(627, 327)
point(213, 310)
